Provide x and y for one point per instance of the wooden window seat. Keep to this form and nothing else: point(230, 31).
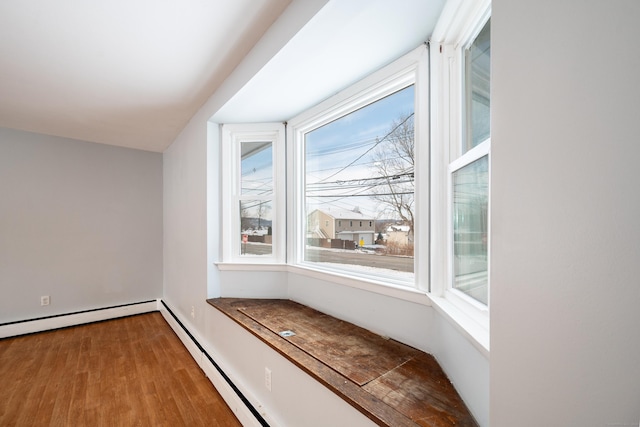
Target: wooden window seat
point(389, 382)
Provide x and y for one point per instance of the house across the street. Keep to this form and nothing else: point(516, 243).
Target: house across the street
point(344, 224)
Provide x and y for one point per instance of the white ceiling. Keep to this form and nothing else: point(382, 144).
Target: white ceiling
point(121, 72)
point(345, 41)
point(133, 72)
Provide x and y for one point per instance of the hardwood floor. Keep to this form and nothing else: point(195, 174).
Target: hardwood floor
point(132, 371)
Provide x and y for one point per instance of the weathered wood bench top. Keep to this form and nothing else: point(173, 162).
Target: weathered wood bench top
point(389, 382)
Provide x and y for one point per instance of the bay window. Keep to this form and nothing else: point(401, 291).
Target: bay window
point(387, 182)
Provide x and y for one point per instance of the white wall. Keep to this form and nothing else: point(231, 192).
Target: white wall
point(412, 323)
point(192, 224)
point(295, 399)
point(565, 251)
point(185, 224)
point(80, 222)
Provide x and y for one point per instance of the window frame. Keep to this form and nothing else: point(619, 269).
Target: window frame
point(232, 137)
point(436, 71)
point(411, 69)
point(457, 29)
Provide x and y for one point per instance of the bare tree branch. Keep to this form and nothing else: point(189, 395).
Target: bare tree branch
point(394, 165)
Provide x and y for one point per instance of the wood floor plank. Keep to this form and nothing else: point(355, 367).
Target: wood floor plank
point(132, 371)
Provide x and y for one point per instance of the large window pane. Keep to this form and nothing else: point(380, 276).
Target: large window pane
point(256, 168)
point(255, 224)
point(470, 229)
point(359, 193)
point(478, 89)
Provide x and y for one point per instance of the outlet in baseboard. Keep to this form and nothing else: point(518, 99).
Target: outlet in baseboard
point(45, 300)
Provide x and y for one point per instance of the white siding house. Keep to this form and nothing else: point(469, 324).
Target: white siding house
point(344, 224)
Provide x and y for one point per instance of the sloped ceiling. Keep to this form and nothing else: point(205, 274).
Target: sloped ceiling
point(133, 73)
point(121, 72)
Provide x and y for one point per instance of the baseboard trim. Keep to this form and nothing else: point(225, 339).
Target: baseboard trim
point(40, 324)
point(239, 404)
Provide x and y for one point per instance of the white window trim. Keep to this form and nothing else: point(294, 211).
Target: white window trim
point(437, 75)
point(475, 309)
point(232, 135)
point(460, 23)
point(410, 69)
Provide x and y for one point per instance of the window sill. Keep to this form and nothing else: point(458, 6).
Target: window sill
point(405, 293)
point(381, 287)
point(251, 266)
point(475, 330)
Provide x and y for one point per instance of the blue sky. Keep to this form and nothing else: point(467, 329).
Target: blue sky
point(337, 152)
point(257, 170)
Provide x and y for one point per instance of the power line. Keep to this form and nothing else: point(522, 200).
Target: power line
point(364, 195)
point(372, 147)
point(373, 162)
point(340, 148)
point(396, 181)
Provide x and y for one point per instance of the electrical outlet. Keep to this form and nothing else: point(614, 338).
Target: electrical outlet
point(267, 378)
point(193, 312)
point(44, 300)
